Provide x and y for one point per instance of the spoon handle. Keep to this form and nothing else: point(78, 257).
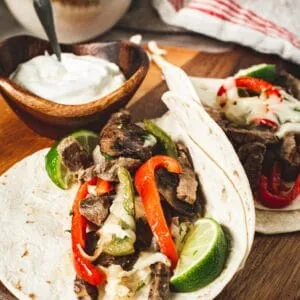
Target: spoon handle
point(44, 11)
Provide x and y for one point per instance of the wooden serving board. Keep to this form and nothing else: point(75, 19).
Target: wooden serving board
point(272, 270)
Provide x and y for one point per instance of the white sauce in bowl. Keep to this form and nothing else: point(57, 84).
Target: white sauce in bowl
point(75, 80)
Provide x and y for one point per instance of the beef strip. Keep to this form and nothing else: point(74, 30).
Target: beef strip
point(188, 184)
point(126, 261)
point(91, 242)
point(290, 155)
point(143, 235)
point(85, 291)
point(108, 169)
point(289, 83)
point(160, 282)
point(290, 150)
point(252, 156)
point(251, 145)
point(73, 155)
point(167, 185)
point(95, 209)
point(120, 137)
point(241, 136)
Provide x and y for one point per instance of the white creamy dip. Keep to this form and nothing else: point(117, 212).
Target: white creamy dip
point(75, 80)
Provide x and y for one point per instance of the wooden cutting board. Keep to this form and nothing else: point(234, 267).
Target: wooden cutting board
point(272, 270)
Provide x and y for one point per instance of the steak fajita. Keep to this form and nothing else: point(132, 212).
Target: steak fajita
point(146, 215)
point(259, 111)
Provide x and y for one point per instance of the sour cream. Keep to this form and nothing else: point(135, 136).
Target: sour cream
point(75, 80)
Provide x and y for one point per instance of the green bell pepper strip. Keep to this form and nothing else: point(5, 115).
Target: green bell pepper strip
point(123, 211)
point(165, 140)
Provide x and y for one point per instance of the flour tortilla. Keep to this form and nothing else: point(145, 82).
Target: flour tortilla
point(35, 247)
point(272, 222)
point(223, 203)
point(185, 106)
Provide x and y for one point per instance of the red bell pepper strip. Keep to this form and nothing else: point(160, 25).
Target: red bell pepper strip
point(103, 186)
point(273, 193)
point(254, 84)
point(275, 180)
point(295, 190)
point(270, 199)
point(266, 122)
point(83, 267)
point(147, 189)
point(93, 181)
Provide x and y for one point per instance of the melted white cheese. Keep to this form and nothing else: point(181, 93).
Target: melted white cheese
point(288, 127)
point(74, 80)
point(126, 284)
point(113, 224)
point(245, 110)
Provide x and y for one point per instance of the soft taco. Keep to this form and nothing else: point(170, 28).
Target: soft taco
point(153, 217)
point(259, 111)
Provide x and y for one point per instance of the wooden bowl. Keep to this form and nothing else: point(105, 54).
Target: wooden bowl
point(132, 60)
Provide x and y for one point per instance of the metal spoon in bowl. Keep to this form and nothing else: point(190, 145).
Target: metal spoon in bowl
point(44, 11)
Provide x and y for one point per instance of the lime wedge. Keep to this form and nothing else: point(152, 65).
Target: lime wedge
point(202, 258)
point(263, 71)
point(57, 172)
point(88, 139)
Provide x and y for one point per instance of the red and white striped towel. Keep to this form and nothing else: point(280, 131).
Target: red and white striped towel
point(269, 26)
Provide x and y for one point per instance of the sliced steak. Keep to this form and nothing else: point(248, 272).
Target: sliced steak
point(108, 169)
point(160, 282)
point(95, 209)
point(126, 261)
point(167, 185)
point(241, 136)
point(121, 137)
point(289, 83)
point(91, 242)
point(168, 210)
point(73, 155)
point(251, 145)
point(252, 156)
point(85, 291)
point(188, 183)
point(143, 235)
point(290, 155)
point(290, 150)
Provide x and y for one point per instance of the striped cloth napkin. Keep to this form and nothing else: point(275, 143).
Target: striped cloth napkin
point(269, 26)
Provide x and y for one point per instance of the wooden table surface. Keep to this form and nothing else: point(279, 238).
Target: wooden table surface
point(273, 268)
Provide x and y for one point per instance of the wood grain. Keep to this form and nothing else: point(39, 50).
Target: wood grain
point(273, 268)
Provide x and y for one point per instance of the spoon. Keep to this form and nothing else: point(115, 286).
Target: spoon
point(44, 11)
